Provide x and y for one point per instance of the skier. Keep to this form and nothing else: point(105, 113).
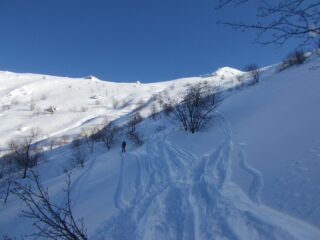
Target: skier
point(123, 146)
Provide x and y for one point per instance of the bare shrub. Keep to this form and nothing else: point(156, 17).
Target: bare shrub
point(254, 71)
point(91, 136)
point(154, 112)
point(52, 142)
point(50, 220)
point(167, 108)
point(134, 120)
point(239, 78)
point(24, 151)
point(193, 111)
point(132, 128)
point(136, 138)
point(78, 152)
point(52, 109)
point(115, 103)
point(108, 134)
point(295, 58)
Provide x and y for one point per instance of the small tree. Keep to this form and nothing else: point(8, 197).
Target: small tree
point(50, 220)
point(24, 151)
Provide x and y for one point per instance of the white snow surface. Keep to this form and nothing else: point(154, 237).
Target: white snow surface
point(252, 173)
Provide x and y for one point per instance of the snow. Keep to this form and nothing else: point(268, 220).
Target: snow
point(252, 173)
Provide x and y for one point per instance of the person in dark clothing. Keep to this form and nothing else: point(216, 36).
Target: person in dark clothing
point(123, 146)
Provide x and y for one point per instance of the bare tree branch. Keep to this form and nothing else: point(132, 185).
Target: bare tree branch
point(282, 21)
point(50, 220)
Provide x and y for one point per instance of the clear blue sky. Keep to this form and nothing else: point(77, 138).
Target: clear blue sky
point(125, 40)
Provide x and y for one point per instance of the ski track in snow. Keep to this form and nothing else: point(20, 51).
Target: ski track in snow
point(77, 185)
point(117, 197)
point(257, 179)
point(187, 197)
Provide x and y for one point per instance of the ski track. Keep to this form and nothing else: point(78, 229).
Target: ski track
point(77, 185)
point(257, 179)
point(118, 197)
point(182, 196)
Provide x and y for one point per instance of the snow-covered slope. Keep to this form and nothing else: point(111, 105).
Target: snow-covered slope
point(25, 98)
point(250, 174)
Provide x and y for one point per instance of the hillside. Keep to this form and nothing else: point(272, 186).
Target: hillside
point(251, 173)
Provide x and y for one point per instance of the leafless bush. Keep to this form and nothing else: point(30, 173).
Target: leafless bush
point(140, 105)
point(132, 128)
point(167, 108)
point(50, 220)
point(194, 110)
point(51, 109)
point(154, 112)
point(134, 120)
point(295, 58)
point(254, 71)
point(91, 136)
point(108, 134)
point(136, 138)
point(24, 151)
point(115, 103)
point(78, 152)
point(52, 142)
point(239, 78)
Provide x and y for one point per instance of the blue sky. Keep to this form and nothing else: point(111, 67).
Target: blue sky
point(126, 40)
